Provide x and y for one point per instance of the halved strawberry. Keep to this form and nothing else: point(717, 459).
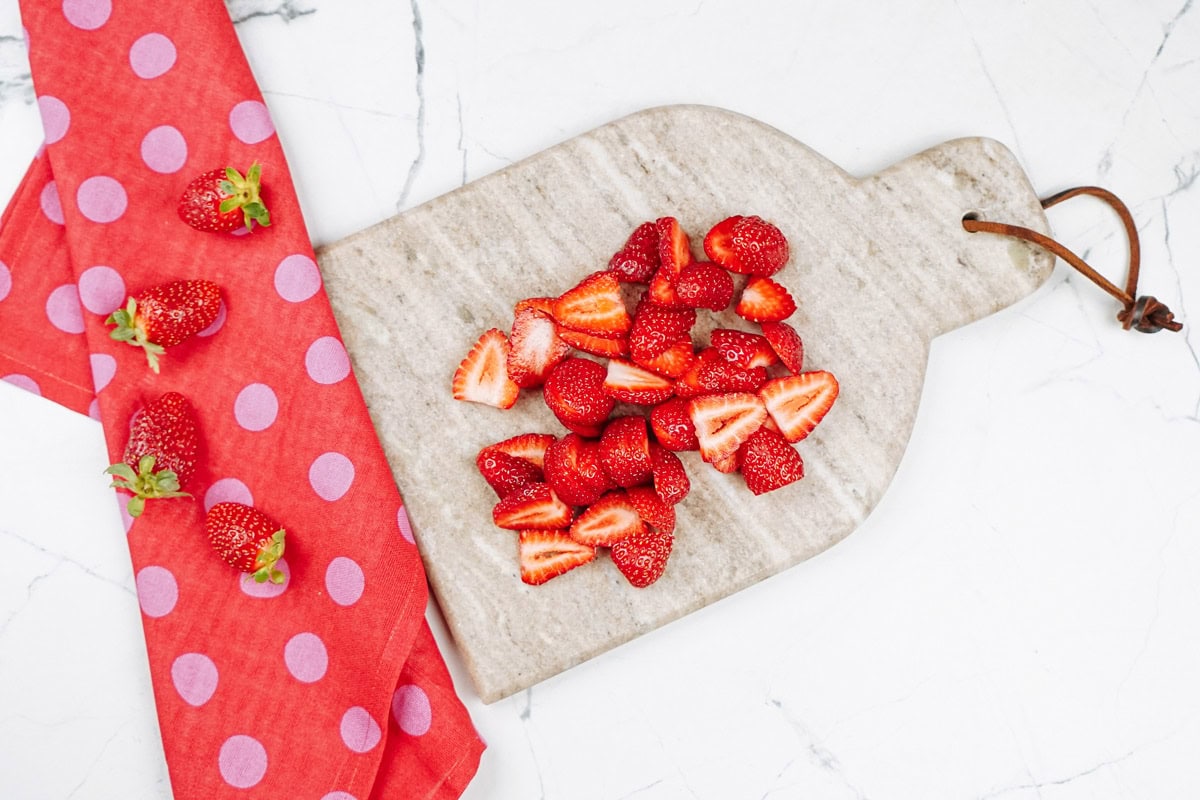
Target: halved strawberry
point(764, 300)
point(574, 391)
point(655, 513)
point(625, 451)
point(688, 384)
point(542, 304)
point(674, 253)
point(534, 348)
point(643, 559)
point(721, 376)
point(672, 425)
point(574, 471)
point(482, 377)
point(529, 446)
point(673, 361)
point(629, 383)
point(637, 261)
point(596, 345)
point(785, 342)
point(670, 478)
point(704, 285)
point(730, 464)
point(724, 421)
point(505, 473)
point(534, 505)
point(656, 328)
point(798, 402)
point(547, 554)
point(594, 306)
point(607, 521)
point(747, 245)
point(744, 349)
point(769, 462)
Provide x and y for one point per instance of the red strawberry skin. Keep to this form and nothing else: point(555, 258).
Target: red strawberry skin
point(704, 285)
point(246, 539)
point(203, 199)
point(547, 554)
point(670, 479)
point(637, 261)
point(574, 391)
point(786, 343)
point(769, 462)
point(655, 513)
point(505, 473)
point(532, 507)
point(529, 446)
point(656, 328)
point(166, 315)
point(574, 471)
point(161, 453)
point(747, 245)
point(642, 559)
point(625, 451)
point(744, 349)
point(672, 425)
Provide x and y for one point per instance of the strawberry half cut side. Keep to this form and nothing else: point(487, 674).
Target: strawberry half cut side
point(724, 421)
point(594, 306)
point(532, 506)
point(764, 300)
point(607, 521)
point(482, 377)
point(798, 402)
point(547, 554)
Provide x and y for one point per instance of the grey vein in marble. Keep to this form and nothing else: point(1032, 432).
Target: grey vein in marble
point(287, 10)
point(419, 55)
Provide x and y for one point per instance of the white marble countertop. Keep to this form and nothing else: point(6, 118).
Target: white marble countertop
point(1017, 619)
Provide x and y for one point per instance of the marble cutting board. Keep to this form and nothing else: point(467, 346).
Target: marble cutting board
point(880, 266)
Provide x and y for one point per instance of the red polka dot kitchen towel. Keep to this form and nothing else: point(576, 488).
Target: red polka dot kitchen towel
point(327, 685)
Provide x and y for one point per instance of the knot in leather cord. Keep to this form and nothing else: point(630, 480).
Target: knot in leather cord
point(1145, 313)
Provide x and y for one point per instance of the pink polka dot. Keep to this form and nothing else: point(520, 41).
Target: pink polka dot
point(104, 367)
point(306, 657)
point(56, 117)
point(23, 381)
point(339, 796)
point(101, 290)
point(344, 581)
point(164, 149)
point(63, 310)
point(331, 475)
point(404, 525)
point(5, 280)
point(87, 14)
point(216, 323)
point(266, 589)
point(251, 122)
point(242, 761)
point(51, 203)
point(94, 413)
point(195, 678)
point(359, 731)
point(152, 55)
point(157, 591)
point(297, 278)
point(411, 710)
point(326, 360)
point(256, 407)
point(227, 490)
point(101, 199)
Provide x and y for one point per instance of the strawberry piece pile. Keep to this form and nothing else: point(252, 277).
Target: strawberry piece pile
point(743, 401)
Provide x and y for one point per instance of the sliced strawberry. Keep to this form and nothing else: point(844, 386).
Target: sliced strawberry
point(656, 328)
point(643, 559)
point(505, 473)
point(629, 383)
point(548, 554)
point(534, 505)
point(798, 402)
point(744, 349)
point(574, 391)
point(724, 421)
point(637, 261)
point(672, 425)
point(594, 306)
point(674, 253)
point(534, 348)
point(529, 446)
point(670, 478)
point(673, 361)
point(607, 521)
point(786, 343)
point(714, 377)
point(625, 451)
point(747, 245)
point(688, 384)
point(730, 464)
point(574, 471)
point(769, 462)
point(764, 300)
point(596, 345)
point(542, 304)
point(482, 377)
point(587, 430)
point(650, 507)
point(704, 285)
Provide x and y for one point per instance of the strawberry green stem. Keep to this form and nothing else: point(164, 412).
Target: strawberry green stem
point(267, 557)
point(243, 193)
point(131, 331)
point(144, 483)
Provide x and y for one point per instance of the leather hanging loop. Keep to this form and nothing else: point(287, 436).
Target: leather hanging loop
point(1146, 313)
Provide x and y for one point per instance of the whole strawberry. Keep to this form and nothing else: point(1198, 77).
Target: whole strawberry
point(221, 201)
point(246, 539)
point(165, 315)
point(161, 454)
